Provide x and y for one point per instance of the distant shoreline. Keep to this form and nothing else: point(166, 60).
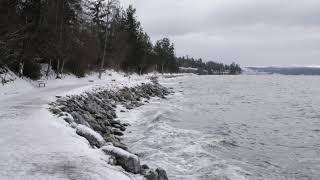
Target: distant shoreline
point(285, 70)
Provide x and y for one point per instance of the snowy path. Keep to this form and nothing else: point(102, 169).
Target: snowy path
point(35, 145)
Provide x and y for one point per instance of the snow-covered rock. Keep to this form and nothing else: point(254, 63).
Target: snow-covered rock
point(94, 138)
point(67, 117)
point(128, 161)
point(6, 76)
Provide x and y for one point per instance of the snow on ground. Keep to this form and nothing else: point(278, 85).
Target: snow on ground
point(37, 145)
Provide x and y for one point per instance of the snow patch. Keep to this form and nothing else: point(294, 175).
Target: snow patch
point(37, 145)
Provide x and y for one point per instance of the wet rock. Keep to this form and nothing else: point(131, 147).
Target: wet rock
point(109, 115)
point(144, 169)
point(117, 132)
point(151, 174)
point(162, 174)
point(106, 122)
point(113, 122)
point(116, 126)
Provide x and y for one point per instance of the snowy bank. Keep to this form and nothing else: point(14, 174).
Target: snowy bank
point(35, 144)
point(93, 115)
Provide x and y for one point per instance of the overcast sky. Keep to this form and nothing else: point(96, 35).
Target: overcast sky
point(250, 32)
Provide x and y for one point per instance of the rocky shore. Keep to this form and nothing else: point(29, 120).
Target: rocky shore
point(93, 116)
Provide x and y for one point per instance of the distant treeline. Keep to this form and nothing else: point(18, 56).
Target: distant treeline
point(210, 67)
point(78, 36)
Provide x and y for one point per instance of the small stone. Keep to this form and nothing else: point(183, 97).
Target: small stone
point(122, 128)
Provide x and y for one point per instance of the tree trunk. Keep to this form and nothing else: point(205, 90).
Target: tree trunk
point(60, 42)
point(105, 42)
point(62, 67)
point(48, 69)
point(162, 68)
point(58, 69)
point(21, 66)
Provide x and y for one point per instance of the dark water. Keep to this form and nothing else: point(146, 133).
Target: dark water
point(288, 70)
point(233, 127)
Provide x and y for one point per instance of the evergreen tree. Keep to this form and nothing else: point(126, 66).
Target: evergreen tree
point(70, 38)
point(165, 57)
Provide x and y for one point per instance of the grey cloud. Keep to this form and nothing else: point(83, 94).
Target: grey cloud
point(248, 31)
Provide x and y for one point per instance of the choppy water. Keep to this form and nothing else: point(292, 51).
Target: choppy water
point(232, 127)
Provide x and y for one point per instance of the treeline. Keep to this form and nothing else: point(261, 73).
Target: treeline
point(78, 36)
point(209, 67)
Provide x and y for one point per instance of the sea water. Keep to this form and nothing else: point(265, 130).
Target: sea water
point(232, 128)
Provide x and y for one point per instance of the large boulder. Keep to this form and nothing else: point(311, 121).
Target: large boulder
point(126, 160)
point(94, 138)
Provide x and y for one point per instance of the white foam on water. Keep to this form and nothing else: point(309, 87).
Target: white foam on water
point(182, 153)
point(231, 128)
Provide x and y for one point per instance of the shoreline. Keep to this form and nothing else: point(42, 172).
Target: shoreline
point(93, 114)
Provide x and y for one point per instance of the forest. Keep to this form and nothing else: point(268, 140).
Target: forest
point(209, 67)
point(78, 36)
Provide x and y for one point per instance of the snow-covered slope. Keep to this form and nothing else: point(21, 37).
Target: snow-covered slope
point(36, 145)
